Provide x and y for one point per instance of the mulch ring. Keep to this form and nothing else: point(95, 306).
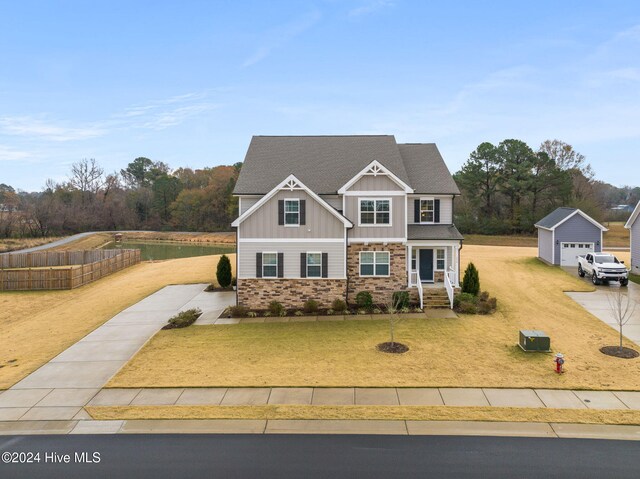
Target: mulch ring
point(624, 353)
point(396, 348)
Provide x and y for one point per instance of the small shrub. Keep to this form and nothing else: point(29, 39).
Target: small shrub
point(400, 299)
point(276, 308)
point(234, 282)
point(467, 307)
point(471, 280)
point(463, 297)
point(339, 305)
point(184, 318)
point(377, 311)
point(416, 309)
point(239, 311)
point(282, 313)
point(330, 312)
point(298, 313)
point(252, 314)
point(223, 271)
point(487, 305)
point(484, 296)
point(210, 288)
point(310, 306)
point(405, 310)
point(267, 314)
point(364, 299)
point(362, 311)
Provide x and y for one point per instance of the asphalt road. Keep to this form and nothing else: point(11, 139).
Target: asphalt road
point(317, 456)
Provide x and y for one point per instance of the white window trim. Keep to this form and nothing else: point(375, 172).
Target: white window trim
point(296, 225)
point(307, 264)
point(270, 277)
point(435, 259)
point(374, 224)
point(374, 275)
point(426, 198)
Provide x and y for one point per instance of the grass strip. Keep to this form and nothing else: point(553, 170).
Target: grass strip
point(413, 413)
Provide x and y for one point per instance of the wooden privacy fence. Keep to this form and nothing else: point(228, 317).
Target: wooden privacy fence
point(61, 269)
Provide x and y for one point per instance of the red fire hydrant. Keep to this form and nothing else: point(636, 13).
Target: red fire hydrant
point(559, 360)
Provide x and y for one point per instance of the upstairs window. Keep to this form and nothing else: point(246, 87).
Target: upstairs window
point(292, 212)
point(427, 211)
point(375, 212)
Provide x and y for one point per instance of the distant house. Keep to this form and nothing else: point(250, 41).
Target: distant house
point(566, 233)
point(625, 208)
point(633, 225)
point(325, 217)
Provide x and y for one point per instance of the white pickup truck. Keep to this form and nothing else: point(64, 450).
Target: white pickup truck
point(602, 267)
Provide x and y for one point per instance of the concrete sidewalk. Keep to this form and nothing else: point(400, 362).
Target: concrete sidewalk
point(59, 389)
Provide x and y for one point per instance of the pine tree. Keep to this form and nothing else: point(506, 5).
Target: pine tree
point(471, 280)
point(223, 272)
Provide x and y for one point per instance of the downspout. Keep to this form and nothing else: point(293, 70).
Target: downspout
point(346, 264)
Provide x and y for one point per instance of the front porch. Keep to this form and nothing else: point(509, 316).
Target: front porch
point(433, 269)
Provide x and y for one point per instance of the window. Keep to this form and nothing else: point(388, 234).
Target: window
point(291, 212)
point(414, 259)
point(374, 263)
point(314, 265)
point(427, 211)
point(269, 265)
point(440, 256)
point(375, 212)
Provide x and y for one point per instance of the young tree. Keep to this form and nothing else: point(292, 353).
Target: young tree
point(223, 271)
point(471, 280)
point(394, 319)
point(622, 308)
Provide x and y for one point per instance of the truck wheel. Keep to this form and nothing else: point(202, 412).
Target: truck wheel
point(580, 271)
point(624, 282)
point(594, 279)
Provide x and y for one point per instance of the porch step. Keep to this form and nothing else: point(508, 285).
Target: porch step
point(435, 298)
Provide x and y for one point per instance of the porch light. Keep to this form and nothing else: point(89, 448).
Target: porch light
point(598, 243)
point(557, 242)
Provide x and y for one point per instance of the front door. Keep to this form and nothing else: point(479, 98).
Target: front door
point(426, 265)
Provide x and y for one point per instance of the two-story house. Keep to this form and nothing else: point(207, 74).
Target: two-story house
point(325, 217)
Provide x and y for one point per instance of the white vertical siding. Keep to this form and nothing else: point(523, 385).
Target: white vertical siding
point(635, 247)
point(545, 245)
point(246, 202)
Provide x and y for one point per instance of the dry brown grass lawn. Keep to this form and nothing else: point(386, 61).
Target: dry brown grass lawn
point(416, 413)
point(217, 237)
point(617, 235)
point(10, 244)
point(471, 351)
point(36, 326)
point(94, 241)
point(501, 240)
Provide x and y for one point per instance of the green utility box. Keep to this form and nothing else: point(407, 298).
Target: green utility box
point(534, 341)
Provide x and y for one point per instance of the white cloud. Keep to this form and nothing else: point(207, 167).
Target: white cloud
point(46, 130)
point(10, 154)
point(281, 35)
point(371, 7)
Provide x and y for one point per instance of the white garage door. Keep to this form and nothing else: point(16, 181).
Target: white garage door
point(569, 252)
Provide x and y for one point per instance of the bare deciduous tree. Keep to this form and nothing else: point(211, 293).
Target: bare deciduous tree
point(86, 176)
point(394, 319)
point(622, 307)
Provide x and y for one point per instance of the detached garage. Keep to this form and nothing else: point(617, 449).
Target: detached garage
point(567, 233)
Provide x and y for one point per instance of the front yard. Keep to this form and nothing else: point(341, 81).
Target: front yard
point(472, 351)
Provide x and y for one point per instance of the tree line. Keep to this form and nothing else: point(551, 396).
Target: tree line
point(146, 195)
point(507, 188)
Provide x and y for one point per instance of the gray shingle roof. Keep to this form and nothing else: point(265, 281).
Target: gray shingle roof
point(326, 163)
point(433, 232)
point(555, 217)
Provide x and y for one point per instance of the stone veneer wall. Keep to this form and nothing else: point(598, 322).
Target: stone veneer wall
point(381, 288)
point(257, 293)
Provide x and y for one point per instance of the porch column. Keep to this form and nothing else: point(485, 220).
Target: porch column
point(409, 256)
point(456, 268)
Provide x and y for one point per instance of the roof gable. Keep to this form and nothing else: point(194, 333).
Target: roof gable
point(563, 214)
point(375, 168)
point(290, 183)
point(634, 216)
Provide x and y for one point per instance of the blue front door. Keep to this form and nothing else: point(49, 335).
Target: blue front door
point(426, 265)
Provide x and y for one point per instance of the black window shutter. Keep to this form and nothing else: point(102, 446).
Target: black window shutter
point(303, 265)
point(280, 212)
point(325, 265)
point(436, 212)
point(416, 211)
point(280, 265)
point(258, 265)
point(303, 212)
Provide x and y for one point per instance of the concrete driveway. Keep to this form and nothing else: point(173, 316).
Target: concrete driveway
point(597, 303)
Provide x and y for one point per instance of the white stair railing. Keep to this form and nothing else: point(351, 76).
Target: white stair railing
point(448, 284)
point(420, 292)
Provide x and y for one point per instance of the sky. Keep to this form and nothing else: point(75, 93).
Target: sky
point(189, 82)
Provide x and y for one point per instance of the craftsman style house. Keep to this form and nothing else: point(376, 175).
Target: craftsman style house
point(325, 217)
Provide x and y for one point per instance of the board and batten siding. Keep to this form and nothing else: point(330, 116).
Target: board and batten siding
point(446, 208)
point(375, 183)
point(291, 255)
point(246, 202)
point(398, 219)
point(576, 230)
point(545, 245)
point(635, 247)
point(263, 223)
point(333, 200)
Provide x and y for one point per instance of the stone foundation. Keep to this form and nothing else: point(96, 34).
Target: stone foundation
point(257, 293)
point(381, 288)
